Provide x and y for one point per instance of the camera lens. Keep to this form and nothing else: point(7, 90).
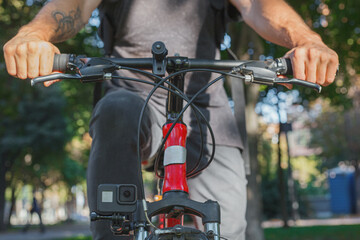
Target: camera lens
point(127, 194)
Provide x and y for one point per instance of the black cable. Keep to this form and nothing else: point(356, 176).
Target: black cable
point(211, 132)
point(213, 146)
point(168, 89)
point(192, 171)
point(157, 159)
point(184, 97)
point(190, 102)
point(180, 114)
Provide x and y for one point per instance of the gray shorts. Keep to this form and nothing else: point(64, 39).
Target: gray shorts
point(113, 159)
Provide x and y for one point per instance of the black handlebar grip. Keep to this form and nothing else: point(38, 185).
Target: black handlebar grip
point(288, 65)
point(284, 66)
point(60, 62)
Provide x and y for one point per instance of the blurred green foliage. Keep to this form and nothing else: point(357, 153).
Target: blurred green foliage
point(308, 180)
point(36, 123)
point(338, 23)
point(335, 132)
point(338, 135)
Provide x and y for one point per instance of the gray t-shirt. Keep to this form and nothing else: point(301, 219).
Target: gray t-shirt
point(187, 27)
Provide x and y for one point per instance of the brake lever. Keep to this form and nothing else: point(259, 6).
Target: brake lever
point(296, 81)
point(261, 73)
point(256, 72)
point(54, 76)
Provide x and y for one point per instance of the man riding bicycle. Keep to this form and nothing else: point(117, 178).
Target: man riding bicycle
point(188, 28)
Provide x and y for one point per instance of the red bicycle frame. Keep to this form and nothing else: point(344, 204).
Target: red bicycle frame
point(175, 151)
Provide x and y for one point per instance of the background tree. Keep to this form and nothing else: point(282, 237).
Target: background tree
point(35, 123)
point(338, 136)
point(336, 129)
point(338, 24)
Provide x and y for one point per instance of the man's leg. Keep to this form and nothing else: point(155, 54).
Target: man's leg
point(224, 181)
point(113, 157)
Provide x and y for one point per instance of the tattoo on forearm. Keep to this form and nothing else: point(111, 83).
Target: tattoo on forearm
point(68, 24)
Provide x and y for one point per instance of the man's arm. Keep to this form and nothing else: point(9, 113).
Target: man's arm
point(30, 53)
point(277, 22)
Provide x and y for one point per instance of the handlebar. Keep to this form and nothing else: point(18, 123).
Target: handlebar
point(100, 69)
point(61, 62)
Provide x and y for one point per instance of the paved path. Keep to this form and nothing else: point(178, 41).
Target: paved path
point(52, 232)
point(348, 220)
point(82, 229)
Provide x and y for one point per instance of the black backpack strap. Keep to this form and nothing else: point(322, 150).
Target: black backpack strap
point(224, 13)
point(106, 32)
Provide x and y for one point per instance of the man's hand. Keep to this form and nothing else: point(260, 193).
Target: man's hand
point(30, 53)
point(277, 22)
point(29, 56)
point(314, 62)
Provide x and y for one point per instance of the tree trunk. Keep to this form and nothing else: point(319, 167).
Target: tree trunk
point(12, 206)
point(3, 168)
point(291, 185)
point(282, 186)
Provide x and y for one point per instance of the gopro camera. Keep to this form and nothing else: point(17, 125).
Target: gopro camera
point(116, 198)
